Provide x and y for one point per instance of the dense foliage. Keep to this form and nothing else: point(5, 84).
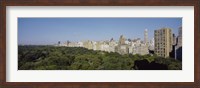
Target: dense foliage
point(74, 58)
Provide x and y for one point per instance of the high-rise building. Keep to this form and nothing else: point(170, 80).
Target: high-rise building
point(122, 47)
point(174, 39)
point(174, 44)
point(112, 45)
point(163, 42)
point(151, 44)
point(179, 42)
point(122, 40)
point(88, 44)
point(146, 36)
point(59, 43)
point(178, 47)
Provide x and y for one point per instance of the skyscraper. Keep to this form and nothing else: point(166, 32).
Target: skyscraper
point(122, 47)
point(179, 42)
point(163, 42)
point(146, 36)
point(122, 40)
point(151, 44)
point(174, 39)
point(178, 47)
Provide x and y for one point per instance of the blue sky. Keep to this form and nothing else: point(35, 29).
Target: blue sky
point(47, 31)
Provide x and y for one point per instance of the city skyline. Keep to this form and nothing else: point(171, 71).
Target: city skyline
point(48, 31)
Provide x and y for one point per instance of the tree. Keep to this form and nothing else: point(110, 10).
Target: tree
point(75, 58)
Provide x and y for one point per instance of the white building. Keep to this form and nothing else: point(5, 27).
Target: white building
point(151, 44)
point(123, 46)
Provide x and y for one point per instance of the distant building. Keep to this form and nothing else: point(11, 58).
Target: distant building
point(98, 45)
point(137, 47)
point(105, 46)
point(112, 45)
point(146, 36)
point(179, 37)
point(151, 44)
point(122, 40)
point(163, 42)
point(122, 49)
point(141, 49)
point(80, 44)
point(88, 44)
point(72, 44)
point(123, 46)
point(174, 39)
point(59, 43)
point(178, 47)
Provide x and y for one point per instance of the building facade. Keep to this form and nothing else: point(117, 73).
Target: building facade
point(178, 47)
point(179, 37)
point(122, 46)
point(163, 42)
point(146, 36)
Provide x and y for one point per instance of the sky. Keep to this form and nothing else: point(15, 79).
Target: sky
point(48, 31)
